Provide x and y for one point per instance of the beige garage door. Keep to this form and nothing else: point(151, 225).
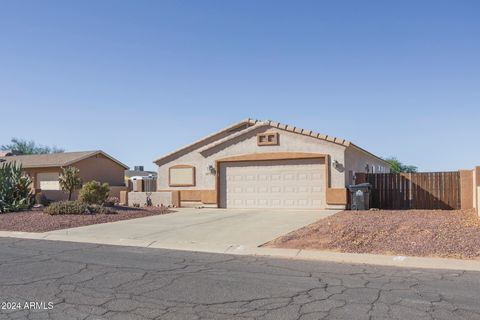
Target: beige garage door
point(48, 181)
point(278, 184)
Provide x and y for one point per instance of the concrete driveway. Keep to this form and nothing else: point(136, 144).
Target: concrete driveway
point(213, 230)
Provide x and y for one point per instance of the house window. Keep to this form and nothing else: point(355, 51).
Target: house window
point(181, 176)
point(267, 139)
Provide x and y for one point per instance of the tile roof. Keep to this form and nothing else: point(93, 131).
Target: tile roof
point(254, 123)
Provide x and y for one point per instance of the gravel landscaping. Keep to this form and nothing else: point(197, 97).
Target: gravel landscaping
point(37, 221)
point(435, 233)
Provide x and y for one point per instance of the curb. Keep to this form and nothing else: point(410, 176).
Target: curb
point(297, 254)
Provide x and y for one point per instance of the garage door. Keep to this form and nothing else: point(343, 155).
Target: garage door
point(273, 184)
point(48, 180)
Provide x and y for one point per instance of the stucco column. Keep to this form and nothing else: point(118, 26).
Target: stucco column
point(477, 188)
point(139, 185)
point(467, 193)
point(34, 186)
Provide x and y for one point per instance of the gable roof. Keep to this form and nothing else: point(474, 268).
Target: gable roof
point(56, 159)
point(245, 122)
point(253, 124)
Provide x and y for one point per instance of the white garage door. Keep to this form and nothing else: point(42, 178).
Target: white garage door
point(273, 184)
point(48, 181)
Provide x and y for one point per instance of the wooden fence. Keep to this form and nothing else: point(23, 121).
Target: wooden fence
point(149, 185)
point(431, 190)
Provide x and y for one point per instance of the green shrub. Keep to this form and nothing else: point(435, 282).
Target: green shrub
point(15, 191)
point(77, 207)
point(66, 207)
point(94, 193)
point(70, 181)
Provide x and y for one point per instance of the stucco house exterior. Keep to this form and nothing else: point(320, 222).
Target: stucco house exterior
point(44, 170)
point(266, 164)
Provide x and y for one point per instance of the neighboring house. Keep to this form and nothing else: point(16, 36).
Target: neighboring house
point(265, 164)
point(44, 170)
point(138, 171)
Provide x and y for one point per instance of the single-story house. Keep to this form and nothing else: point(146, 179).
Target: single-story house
point(44, 170)
point(138, 171)
point(266, 164)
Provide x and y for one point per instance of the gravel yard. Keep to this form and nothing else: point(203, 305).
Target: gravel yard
point(435, 233)
point(37, 221)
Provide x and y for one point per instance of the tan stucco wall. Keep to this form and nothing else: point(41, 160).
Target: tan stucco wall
point(247, 144)
point(101, 169)
point(356, 160)
point(158, 198)
point(478, 201)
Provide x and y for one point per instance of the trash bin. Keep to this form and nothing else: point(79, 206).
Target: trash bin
point(360, 196)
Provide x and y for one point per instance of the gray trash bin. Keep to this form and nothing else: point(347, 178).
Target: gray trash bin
point(360, 196)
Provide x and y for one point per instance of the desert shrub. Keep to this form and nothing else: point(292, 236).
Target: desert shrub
point(94, 193)
point(40, 198)
point(111, 201)
point(97, 209)
point(15, 191)
point(70, 181)
point(66, 207)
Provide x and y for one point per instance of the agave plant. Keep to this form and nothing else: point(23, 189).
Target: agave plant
point(15, 191)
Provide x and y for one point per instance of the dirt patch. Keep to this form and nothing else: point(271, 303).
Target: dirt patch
point(453, 234)
point(37, 221)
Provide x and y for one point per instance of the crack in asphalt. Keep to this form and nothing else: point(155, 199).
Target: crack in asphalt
point(87, 281)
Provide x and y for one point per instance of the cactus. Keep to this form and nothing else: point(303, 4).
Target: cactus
point(15, 191)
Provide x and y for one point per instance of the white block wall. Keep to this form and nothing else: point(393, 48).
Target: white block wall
point(158, 198)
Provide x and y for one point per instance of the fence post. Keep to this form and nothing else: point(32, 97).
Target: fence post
point(466, 189)
point(410, 191)
point(476, 184)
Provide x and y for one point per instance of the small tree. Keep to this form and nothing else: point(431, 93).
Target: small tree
point(15, 191)
point(70, 180)
point(399, 167)
point(94, 193)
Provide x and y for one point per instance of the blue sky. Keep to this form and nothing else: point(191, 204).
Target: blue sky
point(139, 79)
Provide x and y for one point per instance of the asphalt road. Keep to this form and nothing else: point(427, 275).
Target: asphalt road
point(85, 281)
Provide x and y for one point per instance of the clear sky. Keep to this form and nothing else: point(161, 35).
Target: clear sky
point(139, 79)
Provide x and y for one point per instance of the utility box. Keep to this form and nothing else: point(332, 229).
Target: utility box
point(360, 196)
